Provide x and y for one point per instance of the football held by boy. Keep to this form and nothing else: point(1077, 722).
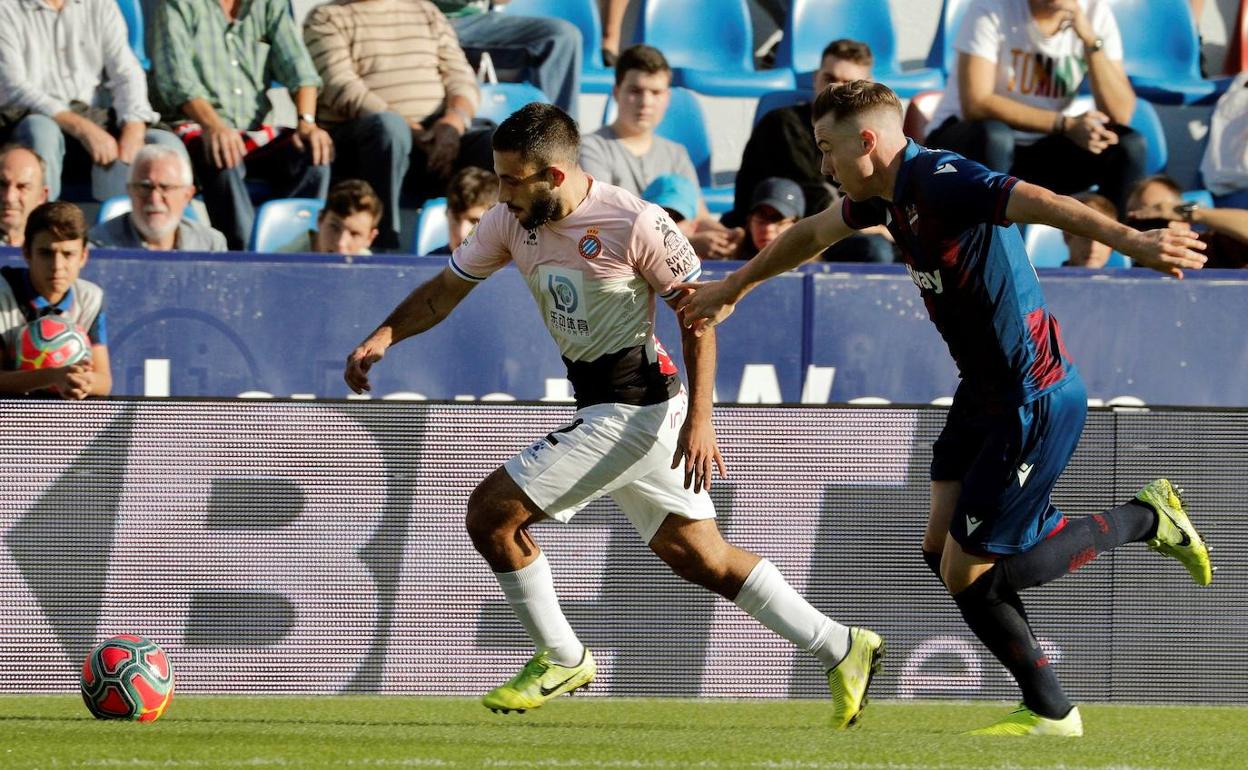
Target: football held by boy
point(595, 257)
point(1019, 410)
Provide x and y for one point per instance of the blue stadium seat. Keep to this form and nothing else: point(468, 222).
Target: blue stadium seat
point(685, 124)
point(120, 204)
point(710, 45)
point(1203, 198)
point(1046, 247)
point(812, 24)
point(498, 100)
point(942, 55)
point(777, 99)
point(1161, 52)
point(132, 12)
point(1146, 122)
point(281, 221)
point(431, 230)
point(595, 78)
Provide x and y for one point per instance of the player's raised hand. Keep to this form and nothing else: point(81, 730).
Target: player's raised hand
point(702, 306)
point(698, 447)
point(369, 352)
point(1170, 249)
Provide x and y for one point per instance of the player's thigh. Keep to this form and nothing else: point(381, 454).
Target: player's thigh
point(498, 503)
point(944, 502)
point(649, 500)
point(1005, 504)
point(604, 447)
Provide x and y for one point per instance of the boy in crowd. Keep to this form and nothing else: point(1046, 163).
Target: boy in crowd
point(55, 249)
point(469, 194)
point(347, 223)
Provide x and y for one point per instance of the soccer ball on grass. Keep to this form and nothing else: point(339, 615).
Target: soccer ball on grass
point(127, 677)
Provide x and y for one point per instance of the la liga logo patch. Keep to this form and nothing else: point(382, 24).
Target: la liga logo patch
point(590, 246)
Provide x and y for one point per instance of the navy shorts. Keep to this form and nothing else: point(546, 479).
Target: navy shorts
point(1008, 459)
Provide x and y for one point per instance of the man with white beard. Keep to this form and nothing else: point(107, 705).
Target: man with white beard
point(160, 187)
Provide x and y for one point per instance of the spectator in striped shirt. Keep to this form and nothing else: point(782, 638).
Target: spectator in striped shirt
point(399, 97)
point(213, 62)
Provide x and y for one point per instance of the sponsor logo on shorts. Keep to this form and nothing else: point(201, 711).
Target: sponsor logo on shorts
point(972, 524)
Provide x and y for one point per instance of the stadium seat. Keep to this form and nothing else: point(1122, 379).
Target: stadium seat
point(595, 78)
point(685, 124)
point(1046, 247)
point(942, 55)
point(1161, 52)
point(1145, 121)
point(431, 231)
point(1202, 198)
point(132, 12)
point(812, 24)
point(281, 221)
point(120, 204)
point(498, 100)
point(920, 110)
point(710, 45)
point(777, 99)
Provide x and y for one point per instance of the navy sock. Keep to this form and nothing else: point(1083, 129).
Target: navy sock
point(1078, 543)
point(994, 612)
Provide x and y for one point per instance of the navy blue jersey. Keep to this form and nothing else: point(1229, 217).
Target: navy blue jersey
point(948, 218)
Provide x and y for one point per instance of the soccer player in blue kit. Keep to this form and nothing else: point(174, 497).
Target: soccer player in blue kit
point(1019, 410)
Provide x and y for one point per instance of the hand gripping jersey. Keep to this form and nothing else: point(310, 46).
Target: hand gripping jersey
point(948, 218)
point(595, 274)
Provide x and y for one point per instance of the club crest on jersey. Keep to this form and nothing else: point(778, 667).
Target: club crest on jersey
point(591, 245)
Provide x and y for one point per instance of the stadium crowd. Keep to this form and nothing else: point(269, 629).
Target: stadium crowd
point(180, 152)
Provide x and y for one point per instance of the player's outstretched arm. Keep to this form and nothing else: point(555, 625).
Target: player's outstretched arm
point(705, 305)
point(698, 445)
point(423, 309)
point(1168, 250)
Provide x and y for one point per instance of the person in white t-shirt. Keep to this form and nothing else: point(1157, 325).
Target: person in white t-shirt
point(1008, 104)
point(595, 256)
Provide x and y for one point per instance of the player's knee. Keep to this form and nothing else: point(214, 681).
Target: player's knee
point(486, 520)
point(689, 563)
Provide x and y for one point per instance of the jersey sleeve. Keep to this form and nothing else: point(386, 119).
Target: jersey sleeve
point(960, 190)
point(862, 214)
point(98, 333)
point(979, 34)
point(486, 249)
point(661, 253)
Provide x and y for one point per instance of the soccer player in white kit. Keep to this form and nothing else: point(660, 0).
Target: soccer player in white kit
point(594, 257)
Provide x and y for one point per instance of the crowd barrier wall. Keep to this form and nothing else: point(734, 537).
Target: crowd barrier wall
point(270, 325)
point(318, 547)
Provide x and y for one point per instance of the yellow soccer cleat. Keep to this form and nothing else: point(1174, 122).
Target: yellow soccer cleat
point(1024, 721)
point(539, 681)
point(1175, 536)
point(852, 676)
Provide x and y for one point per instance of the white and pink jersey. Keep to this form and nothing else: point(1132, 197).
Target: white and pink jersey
point(594, 274)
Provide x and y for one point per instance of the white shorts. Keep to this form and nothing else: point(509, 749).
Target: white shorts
point(617, 449)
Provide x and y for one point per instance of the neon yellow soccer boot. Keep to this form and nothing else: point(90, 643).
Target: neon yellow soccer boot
point(1175, 536)
point(1024, 721)
point(852, 676)
point(539, 681)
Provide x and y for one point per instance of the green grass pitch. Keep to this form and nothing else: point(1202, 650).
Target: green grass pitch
point(583, 732)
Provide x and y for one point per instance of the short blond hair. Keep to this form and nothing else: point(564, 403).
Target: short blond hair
point(845, 100)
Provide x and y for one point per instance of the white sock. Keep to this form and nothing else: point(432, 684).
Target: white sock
point(531, 593)
point(772, 601)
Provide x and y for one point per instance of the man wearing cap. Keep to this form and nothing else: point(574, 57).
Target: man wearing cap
point(774, 207)
point(678, 196)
